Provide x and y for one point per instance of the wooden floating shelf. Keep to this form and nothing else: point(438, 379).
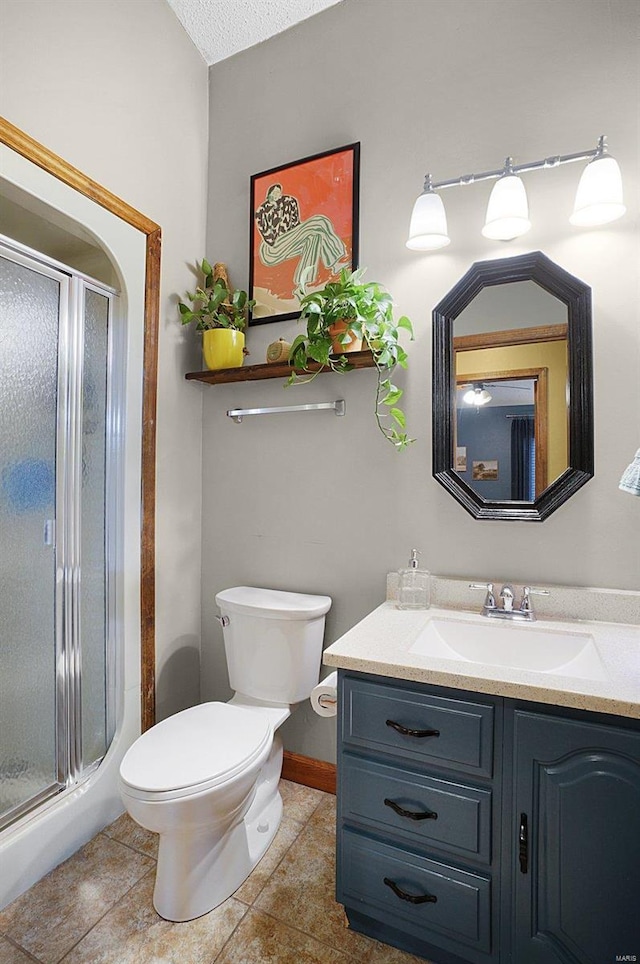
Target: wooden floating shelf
point(253, 373)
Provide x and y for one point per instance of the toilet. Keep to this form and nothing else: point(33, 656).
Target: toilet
point(206, 779)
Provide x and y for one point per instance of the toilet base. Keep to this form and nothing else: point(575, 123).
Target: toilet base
point(196, 873)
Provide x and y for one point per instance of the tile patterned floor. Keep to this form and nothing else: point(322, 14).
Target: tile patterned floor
point(96, 907)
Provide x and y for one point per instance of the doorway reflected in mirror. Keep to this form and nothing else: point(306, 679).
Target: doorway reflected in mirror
point(506, 374)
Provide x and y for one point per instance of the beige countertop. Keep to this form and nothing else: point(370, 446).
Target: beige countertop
point(381, 644)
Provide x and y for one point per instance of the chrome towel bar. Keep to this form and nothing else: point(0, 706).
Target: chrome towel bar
point(339, 407)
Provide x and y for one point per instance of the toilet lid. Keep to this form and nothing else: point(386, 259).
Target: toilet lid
point(272, 603)
point(204, 745)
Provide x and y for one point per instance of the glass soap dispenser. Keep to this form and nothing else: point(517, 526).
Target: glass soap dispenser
point(413, 585)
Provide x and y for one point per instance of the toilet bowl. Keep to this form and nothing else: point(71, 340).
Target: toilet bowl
point(206, 779)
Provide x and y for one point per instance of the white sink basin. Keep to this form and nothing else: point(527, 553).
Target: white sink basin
point(515, 645)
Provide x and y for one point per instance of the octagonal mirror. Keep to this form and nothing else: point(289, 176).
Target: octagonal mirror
point(512, 388)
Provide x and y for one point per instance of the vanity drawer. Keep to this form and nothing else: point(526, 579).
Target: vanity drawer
point(449, 733)
point(425, 810)
point(460, 912)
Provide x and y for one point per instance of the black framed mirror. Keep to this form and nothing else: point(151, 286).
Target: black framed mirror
point(512, 388)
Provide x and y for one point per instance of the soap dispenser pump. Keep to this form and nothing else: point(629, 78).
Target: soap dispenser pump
point(413, 585)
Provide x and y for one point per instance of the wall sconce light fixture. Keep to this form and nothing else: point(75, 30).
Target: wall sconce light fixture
point(428, 228)
point(598, 199)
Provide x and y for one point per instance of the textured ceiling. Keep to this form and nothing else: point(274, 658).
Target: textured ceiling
point(220, 28)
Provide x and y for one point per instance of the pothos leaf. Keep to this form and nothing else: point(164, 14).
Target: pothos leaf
point(392, 397)
point(404, 322)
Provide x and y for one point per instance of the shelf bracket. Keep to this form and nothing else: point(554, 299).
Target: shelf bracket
point(339, 407)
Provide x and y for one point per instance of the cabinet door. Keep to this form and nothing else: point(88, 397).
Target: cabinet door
point(576, 840)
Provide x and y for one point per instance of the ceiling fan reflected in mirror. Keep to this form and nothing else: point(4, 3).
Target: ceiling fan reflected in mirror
point(477, 393)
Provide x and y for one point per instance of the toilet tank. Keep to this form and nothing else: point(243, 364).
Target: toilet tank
point(273, 641)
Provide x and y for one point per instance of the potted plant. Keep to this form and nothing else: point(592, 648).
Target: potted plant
point(221, 314)
point(335, 315)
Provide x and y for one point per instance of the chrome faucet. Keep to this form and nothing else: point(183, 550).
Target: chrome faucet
point(507, 595)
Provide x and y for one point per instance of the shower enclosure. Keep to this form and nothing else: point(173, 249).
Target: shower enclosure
point(60, 381)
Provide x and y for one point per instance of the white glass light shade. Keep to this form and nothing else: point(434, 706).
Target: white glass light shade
point(476, 396)
point(428, 228)
point(508, 210)
point(599, 194)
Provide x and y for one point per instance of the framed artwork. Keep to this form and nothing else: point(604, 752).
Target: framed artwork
point(461, 458)
point(303, 229)
point(486, 471)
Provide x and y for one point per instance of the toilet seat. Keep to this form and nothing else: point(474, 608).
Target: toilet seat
point(195, 750)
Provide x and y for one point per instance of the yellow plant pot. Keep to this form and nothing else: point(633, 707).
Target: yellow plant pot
point(223, 348)
point(337, 331)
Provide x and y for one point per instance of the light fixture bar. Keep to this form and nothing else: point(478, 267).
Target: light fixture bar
point(547, 163)
point(599, 198)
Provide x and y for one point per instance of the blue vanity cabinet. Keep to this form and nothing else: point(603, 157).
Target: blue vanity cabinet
point(576, 804)
point(475, 829)
point(419, 817)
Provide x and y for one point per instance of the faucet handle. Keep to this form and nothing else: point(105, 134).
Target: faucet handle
point(489, 599)
point(527, 592)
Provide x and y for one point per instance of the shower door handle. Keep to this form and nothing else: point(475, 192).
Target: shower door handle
point(49, 534)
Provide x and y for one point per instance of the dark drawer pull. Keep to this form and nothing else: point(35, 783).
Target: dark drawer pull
point(410, 814)
point(523, 843)
point(412, 898)
point(407, 732)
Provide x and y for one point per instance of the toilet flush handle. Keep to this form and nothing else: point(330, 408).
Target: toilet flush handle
point(223, 620)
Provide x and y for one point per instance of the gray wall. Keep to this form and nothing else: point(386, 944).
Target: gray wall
point(119, 91)
point(316, 503)
point(521, 304)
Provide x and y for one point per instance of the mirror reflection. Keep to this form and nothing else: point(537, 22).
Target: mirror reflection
point(511, 392)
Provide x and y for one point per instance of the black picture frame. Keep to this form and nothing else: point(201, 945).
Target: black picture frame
point(327, 189)
point(536, 267)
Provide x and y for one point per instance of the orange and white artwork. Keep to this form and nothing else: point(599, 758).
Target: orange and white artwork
point(304, 226)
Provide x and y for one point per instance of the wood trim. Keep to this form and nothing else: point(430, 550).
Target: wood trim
point(148, 489)
point(309, 772)
point(540, 378)
point(541, 429)
point(25, 145)
point(42, 157)
point(505, 374)
point(511, 337)
point(251, 373)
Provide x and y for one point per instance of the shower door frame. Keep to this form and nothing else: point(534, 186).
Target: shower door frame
point(65, 530)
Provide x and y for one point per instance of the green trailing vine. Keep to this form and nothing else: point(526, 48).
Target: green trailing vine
point(368, 310)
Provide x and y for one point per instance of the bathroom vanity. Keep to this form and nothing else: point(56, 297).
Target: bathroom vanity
point(488, 813)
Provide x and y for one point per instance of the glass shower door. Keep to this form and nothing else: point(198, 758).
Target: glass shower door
point(59, 416)
point(31, 302)
point(93, 525)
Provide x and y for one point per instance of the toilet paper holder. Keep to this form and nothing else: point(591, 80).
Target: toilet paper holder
point(325, 700)
point(324, 696)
